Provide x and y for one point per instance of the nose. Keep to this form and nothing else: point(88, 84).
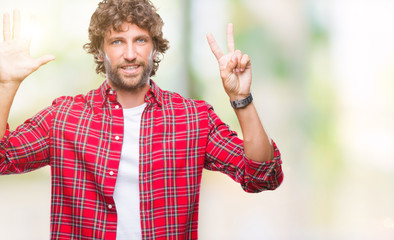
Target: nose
point(129, 52)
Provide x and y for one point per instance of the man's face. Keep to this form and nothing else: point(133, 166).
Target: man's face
point(128, 57)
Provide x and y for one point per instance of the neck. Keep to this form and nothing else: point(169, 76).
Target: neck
point(132, 98)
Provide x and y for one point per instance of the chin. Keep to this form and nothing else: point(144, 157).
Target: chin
point(129, 85)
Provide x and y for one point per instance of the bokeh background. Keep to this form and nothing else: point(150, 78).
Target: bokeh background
point(323, 85)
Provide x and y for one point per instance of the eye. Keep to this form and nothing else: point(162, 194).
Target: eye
point(141, 40)
point(116, 42)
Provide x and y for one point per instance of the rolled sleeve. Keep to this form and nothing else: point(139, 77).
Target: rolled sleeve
point(3, 144)
point(26, 148)
point(265, 175)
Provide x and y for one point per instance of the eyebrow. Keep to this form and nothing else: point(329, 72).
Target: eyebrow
point(145, 36)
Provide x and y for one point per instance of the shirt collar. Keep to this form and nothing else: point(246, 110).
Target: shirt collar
point(104, 90)
point(154, 94)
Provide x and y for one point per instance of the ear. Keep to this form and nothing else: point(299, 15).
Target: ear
point(154, 55)
point(100, 56)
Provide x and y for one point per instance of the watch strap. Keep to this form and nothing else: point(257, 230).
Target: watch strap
point(242, 103)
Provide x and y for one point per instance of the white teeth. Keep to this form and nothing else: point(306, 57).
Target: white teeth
point(130, 68)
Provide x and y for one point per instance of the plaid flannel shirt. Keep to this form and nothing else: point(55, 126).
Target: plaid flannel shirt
point(81, 139)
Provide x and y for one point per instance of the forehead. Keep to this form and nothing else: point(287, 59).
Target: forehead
point(127, 29)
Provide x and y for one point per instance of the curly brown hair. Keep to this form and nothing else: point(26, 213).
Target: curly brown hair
point(112, 13)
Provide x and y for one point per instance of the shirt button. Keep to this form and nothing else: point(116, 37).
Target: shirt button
point(111, 173)
point(117, 107)
point(110, 206)
point(111, 92)
point(117, 138)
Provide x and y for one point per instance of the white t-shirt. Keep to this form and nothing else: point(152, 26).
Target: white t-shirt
point(126, 193)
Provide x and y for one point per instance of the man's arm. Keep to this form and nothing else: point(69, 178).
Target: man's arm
point(257, 144)
point(15, 65)
point(236, 74)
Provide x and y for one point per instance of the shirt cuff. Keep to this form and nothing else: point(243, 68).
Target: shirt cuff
point(3, 142)
point(269, 173)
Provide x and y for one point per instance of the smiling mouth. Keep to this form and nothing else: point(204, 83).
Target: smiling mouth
point(130, 69)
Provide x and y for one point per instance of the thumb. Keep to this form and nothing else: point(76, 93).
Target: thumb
point(230, 66)
point(44, 60)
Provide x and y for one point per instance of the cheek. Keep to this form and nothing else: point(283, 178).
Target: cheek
point(113, 54)
point(150, 54)
point(112, 59)
point(107, 59)
point(108, 62)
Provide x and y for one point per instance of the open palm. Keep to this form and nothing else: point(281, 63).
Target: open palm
point(15, 60)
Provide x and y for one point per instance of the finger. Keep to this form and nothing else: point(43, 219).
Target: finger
point(237, 59)
point(244, 63)
point(6, 27)
point(44, 60)
point(230, 38)
point(16, 26)
point(230, 67)
point(31, 28)
point(214, 46)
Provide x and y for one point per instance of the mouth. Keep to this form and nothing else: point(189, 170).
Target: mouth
point(130, 69)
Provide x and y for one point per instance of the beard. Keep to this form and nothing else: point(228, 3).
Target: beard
point(121, 83)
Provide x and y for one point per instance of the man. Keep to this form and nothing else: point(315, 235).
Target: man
point(126, 159)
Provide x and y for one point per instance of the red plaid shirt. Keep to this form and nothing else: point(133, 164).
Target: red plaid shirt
point(81, 139)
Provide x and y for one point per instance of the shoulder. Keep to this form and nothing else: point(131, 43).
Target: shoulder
point(176, 100)
point(69, 100)
point(80, 99)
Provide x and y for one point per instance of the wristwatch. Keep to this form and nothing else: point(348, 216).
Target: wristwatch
point(242, 103)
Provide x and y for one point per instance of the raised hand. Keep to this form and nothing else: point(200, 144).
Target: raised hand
point(235, 67)
point(15, 60)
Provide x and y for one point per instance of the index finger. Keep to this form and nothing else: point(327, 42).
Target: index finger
point(16, 26)
point(230, 38)
point(214, 46)
point(6, 27)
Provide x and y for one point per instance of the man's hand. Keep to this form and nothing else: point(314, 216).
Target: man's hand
point(235, 67)
point(15, 61)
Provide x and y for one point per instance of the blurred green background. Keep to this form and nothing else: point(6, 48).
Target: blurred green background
point(323, 82)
